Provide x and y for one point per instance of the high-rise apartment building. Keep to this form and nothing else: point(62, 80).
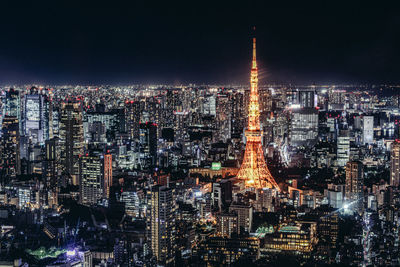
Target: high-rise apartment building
point(354, 186)
point(161, 224)
point(395, 163)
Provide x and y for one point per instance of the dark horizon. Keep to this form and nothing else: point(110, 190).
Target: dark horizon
point(204, 42)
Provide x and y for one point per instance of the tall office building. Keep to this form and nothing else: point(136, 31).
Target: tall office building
point(71, 138)
point(148, 144)
point(56, 122)
point(9, 149)
point(305, 98)
point(52, 163)
point(343, 148)
point(52, 170)
point(304, 126)
point(395, 164)
point(327, 226)
point(132, 201)
point(91, 179)
point(209, 105)
point(237, 115)
point(107, 173)
point(48, 118)
point(180, 125)
point(223, 119)
point(368, 129)
point(161, 224)
point(170, 104)
point(354, 186)
point(34, 116)
point(153, 108)
point(133, 110)
point(12, 106)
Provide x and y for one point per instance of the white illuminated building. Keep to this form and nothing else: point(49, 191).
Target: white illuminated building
point(343, 150)
point(34, 117)
point(368, 130)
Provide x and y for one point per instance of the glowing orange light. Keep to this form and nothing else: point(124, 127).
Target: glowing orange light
point(254, 171)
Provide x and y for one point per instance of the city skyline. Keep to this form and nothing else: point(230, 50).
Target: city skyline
point(253, 165)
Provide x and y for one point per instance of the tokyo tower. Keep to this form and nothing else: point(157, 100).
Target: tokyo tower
point(254, 171)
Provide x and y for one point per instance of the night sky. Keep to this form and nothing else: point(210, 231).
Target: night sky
point(198, 41)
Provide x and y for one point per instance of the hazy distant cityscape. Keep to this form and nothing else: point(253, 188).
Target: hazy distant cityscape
point(147, 175)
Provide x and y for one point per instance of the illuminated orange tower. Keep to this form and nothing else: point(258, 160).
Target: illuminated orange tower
point(254, 171)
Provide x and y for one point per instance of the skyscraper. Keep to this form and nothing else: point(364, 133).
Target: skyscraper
point(12, 103)
point(343, 148)
point(133, 110)
point(107, 173)
point(254, 171)
point(9, 149)
point(48, 118)
point(161, 224)
point(223, 118)
point(237, 115)
point(304, 126)
point(90, 182)
point(52, 169)
point(52, 163)
point(395, 163)
point(148, 144)
point(12, 106)
point(71, 138)
point(305, 98)
point(354, 186)
point(368, 129)
point(34, 120)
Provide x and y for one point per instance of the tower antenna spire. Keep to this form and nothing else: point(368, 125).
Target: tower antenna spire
point(254, 61)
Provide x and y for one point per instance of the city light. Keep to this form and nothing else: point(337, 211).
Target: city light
point(254, 171)
point(71, 253)
point(142, 134)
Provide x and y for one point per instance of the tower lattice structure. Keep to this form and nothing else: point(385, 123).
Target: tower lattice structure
point(254, 170)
